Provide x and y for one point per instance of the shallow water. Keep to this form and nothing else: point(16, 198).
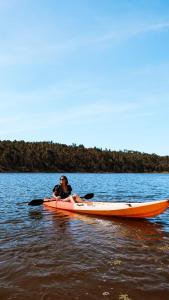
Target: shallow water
point(49, 254)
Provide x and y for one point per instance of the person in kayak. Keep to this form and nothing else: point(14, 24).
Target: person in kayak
point(63, 191)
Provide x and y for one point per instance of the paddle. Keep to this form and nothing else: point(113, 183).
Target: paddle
point(36, 202)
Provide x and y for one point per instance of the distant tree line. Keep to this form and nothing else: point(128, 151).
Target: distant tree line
point(21, 156)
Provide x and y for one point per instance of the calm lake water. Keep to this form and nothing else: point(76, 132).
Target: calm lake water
point(47, 254)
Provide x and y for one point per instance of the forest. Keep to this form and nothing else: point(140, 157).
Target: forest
point(22, 156)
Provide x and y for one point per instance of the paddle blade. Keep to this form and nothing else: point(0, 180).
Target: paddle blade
point(88, 196)
point(36, 202)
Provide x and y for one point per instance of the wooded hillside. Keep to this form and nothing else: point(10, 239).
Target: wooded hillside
point(21, 156)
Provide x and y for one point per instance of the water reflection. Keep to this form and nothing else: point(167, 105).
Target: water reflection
point(35, 215)
point(140, 229)
point(132, 228)
point(52, 254)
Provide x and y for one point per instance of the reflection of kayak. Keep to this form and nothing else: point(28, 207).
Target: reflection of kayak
point(129, 210)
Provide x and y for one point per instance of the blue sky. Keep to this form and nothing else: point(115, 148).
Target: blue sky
point(89, 72)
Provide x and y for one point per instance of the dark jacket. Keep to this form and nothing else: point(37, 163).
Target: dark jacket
point(58, 191)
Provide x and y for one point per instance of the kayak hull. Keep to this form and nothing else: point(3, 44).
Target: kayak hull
point(128, 210)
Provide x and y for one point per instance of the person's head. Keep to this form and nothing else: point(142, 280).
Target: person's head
point(63, 180)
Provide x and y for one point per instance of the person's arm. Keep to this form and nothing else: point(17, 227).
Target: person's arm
point(55, 192)
point(70, 189)
point(56, 197)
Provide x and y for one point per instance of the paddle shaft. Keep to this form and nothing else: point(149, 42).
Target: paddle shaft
point(37, 202)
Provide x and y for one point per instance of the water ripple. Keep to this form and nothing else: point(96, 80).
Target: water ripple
point(47, 254)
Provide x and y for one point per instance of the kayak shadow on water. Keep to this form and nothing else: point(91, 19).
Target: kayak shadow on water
point(135, 229)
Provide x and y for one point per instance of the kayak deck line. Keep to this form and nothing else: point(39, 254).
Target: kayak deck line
point(117, 209)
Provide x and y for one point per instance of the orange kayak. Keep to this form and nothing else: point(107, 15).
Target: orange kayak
point(128, 210)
